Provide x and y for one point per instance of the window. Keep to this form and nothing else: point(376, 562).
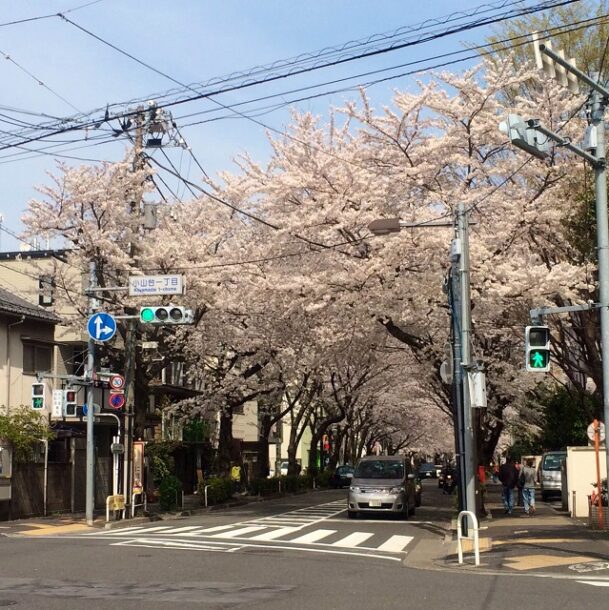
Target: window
point(37, 358)
point(79, 359)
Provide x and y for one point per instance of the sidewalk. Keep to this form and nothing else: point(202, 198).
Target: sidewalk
point(76, 523)
point(548, 543)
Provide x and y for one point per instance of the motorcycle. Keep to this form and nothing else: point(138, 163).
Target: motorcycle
point(449, 484)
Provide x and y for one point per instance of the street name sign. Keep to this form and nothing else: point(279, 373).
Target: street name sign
point(145, 285)
point(101, 326)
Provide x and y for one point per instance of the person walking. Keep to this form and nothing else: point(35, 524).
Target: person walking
point(528, 476)
point(508, 475)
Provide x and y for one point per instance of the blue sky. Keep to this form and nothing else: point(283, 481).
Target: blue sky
point(192, 41)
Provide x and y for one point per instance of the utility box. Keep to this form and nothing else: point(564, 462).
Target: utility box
point(581, 474)
point(6, 469)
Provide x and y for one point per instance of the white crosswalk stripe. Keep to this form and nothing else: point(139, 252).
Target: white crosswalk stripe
point(314, 536)
point(353, 540)
point(395, 544)
point(239, 532)
point(274, 534)
point(295, 527)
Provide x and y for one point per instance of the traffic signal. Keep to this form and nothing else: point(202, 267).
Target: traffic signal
point(537, 339)
point(69, 403)
point(38, 396)
point(166, 314)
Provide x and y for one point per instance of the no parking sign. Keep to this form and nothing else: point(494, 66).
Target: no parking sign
point(116, 400)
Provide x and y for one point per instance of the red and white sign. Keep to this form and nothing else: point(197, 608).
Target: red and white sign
point(116, 400)
point(117, 382)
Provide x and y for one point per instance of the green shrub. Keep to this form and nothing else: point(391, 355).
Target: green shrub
point(170, 490)
point(286, 484)
point(323, 479)
point(219, 490)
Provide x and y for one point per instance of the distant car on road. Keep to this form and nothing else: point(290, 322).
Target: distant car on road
point(427, 471)
point(342, 476)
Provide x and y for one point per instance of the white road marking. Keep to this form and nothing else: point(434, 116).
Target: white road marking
point(178, 544)
point(353, 540)
point(205, 530)
point(595, 583)
point(284, 531)
point(178, 530)
point(395, 544)
point(142, 530)
point(313, 536)
point(239, 532)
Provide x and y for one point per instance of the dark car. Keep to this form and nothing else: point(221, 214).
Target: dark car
point(427, 471)
point(342, 476)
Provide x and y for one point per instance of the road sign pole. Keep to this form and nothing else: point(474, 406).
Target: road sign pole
point(90, 483)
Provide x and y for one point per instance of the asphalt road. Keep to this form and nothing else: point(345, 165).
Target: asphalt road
point(300, 552)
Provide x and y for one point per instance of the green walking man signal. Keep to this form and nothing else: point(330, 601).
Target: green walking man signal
point(537, 341)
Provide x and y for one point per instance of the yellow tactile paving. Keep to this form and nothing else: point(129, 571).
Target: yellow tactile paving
point(532, 562)
point(535, 541)
point(45, 530)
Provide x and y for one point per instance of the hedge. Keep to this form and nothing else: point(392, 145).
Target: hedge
point(219, 490)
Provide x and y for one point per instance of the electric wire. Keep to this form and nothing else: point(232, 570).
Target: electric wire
point(81, 125)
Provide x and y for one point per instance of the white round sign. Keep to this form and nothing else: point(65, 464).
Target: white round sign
point(117, 382)
point(590, 431)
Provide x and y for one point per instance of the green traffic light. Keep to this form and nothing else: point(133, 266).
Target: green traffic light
point(538, 359)
point(147, 315)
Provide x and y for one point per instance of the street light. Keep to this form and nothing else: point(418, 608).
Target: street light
point(464, 437)
point(384, 226)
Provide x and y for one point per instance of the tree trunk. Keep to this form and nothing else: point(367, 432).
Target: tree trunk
point(225, 441)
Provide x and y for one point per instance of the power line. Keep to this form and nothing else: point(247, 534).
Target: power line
point(468, 26)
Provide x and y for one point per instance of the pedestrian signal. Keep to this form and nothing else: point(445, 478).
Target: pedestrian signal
point(537, 341)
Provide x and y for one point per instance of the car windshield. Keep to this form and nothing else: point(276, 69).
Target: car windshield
point(380, 469)
point(426, 467)
point(552, 462)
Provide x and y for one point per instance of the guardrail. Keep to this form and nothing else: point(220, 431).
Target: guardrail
point(475, 535)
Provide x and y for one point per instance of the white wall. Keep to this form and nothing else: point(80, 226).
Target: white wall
point(581, 473)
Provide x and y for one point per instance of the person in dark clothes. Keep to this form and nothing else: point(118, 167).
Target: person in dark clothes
point(508, 475)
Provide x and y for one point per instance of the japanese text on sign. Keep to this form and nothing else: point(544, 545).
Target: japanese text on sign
point(156, 284)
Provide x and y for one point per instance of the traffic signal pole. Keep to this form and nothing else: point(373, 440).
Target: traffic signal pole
point(594, 152)
point(598, 103)
point(90, 462)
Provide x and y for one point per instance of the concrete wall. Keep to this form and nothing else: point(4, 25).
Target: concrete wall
point(581, 473)
point(15, 385)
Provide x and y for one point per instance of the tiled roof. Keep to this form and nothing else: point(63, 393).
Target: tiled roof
point(10, 303)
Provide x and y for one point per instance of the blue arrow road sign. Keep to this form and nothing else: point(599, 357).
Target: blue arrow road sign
point(101, 327)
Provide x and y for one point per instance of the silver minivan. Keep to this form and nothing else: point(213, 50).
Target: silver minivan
point(382, 484)
point(550, 475)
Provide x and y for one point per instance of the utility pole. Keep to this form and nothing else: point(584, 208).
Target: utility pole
point(130, 334)
point(90, 461)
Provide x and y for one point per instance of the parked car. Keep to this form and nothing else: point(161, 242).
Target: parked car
point(550, 474)
point(382, 484)
point(427, 471)
point(342, 476)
